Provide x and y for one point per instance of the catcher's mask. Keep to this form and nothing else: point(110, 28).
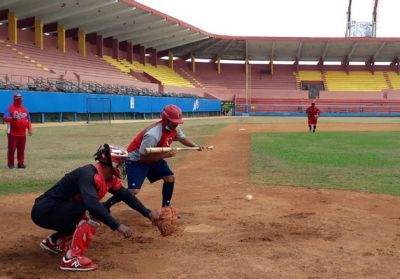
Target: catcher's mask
point(173, 114)
point(113, 156)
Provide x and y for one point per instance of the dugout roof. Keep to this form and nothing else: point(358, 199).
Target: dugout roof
point(128, 20)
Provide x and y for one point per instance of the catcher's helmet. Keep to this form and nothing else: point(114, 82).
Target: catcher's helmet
point(172, 113)
point(112, 155)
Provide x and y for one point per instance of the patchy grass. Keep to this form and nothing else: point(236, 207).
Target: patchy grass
point(53, 151)
point(359, 161)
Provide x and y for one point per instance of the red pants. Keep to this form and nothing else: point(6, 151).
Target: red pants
point(16, 143)
point(312, 121)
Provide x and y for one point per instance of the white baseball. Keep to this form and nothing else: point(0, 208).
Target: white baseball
point(248, 197)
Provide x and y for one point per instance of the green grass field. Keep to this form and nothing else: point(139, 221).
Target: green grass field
point(357, 161)
point(364, 161)
point(53, 151)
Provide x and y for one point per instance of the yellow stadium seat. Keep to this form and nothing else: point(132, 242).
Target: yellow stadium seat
point(394, 79)
point(162, 73)
point(355, 81)
point(309, 75)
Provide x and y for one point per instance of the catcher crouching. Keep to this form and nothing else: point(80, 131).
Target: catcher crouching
point(72, 208)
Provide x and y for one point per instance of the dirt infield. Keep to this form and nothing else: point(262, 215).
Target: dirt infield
point(284, 232)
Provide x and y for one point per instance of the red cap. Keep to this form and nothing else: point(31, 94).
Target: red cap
point(17, 95)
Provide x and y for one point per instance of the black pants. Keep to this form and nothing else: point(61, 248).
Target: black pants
point(61, 216)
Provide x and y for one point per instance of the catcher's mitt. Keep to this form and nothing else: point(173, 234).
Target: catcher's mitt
point(167, 221)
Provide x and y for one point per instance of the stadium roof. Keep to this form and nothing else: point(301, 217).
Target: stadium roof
point(128, 20)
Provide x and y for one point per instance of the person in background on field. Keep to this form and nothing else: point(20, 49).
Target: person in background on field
point(73, 209)
point(18, 121)
point(154, 166)
point(312, 114)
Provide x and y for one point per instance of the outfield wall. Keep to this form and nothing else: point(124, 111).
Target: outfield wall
point(81, 103)
point(327, 108)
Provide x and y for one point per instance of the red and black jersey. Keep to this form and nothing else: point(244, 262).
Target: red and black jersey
point(80, 186)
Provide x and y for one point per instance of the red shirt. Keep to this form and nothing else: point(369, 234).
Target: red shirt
point(166, 139)
point(312, 112)
point(18, 120)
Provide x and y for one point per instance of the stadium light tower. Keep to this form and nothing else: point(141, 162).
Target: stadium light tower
point(374, 14)
point(361, 29)
point(348, 25)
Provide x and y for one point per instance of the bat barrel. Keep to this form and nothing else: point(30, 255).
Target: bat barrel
point(151, 150)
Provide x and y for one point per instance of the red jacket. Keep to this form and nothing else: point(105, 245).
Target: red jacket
point(18, 120)
point(313, 112)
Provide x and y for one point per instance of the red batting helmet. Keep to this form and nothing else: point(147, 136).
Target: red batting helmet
point(173, 114)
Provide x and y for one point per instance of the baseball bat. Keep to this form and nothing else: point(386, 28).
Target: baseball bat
point(151, 150)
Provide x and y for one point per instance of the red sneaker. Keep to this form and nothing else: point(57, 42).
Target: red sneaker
point(48, 245)
point(77, 264)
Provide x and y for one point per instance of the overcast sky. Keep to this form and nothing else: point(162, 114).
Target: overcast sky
point(280, 18)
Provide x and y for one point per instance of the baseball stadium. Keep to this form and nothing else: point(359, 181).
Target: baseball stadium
point(259, 156)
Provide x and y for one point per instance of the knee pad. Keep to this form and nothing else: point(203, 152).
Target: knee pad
point(83, 235)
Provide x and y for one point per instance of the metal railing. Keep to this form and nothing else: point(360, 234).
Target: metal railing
point(31, 83)
point(386, 107)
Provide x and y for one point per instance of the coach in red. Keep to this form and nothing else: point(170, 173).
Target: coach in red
point(18, 121)
point(312, 114)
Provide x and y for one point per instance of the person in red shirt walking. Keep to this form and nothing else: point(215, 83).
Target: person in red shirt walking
point(312, 114)
point(18, 121)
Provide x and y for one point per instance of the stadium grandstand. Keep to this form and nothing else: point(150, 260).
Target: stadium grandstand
point(137, 59)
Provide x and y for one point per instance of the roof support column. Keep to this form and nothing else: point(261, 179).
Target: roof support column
point(12, 28)
point(99, 45)
point(296, 64)
point(345, 64)
point(371, 65)
point(271, 66)
point(129, 52)
point(154, 57)
point(395, 64)
point(142, 55)
point(39, 33)
point(193, 61)
point(82, 43)
point(171, 60)
point(115, 49)
point(61, 38)
point(320, 65)
point(219, 65)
